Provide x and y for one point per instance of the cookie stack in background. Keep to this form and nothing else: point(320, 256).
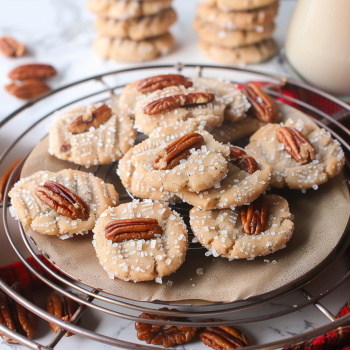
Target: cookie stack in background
point(236, 31)
point(132, 31)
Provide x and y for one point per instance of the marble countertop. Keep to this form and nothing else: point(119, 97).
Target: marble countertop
point(61, 33)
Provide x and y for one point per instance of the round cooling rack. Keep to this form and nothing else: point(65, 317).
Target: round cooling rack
point(27, 125)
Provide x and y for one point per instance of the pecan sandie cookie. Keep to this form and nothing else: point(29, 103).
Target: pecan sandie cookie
point(63, 203)
point(260, 228)
point(140, 241)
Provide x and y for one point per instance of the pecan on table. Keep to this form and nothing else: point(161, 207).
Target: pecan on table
point(238, 157)
point(32, 71)
point(296, 144)
point(223, 337)
point(127, 229)
point(167, 335)
point(169, 103)
point(14, 316)
point(171, 155)
point(254, 217)
point(4, 179)
point(63, 200)
point(90, 119)
point(9, 47)
point(27, 89)
point(64, 310)
point(263, 106)
point(162, 81)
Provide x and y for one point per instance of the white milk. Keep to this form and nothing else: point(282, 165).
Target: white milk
point(318, 43)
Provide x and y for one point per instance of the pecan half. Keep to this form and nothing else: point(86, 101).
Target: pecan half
point(9, 47)
point(164, 335)
point(32, 71)
point(14, 316)
point(172, 102)
point(162, 81)
point(63, 200)
point(127, 229)
point(223, 337)
point(263, 106)
point(170, 156)
point(90, 119)
point(254, 217)
point(4, 179)
point(296, 144)
point(239, 158)
point(27, 89)
point(64, 310)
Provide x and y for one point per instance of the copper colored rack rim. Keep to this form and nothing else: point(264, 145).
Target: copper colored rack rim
point(88, 293)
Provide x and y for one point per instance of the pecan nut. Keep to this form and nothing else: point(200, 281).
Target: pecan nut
point(32, 71)
point(254, 217)
point(14, 316)
point(27, 89)
point(90, 119)
point(171, 155)
point(296, 144)
point(239, 158)
point(263, 106)
point(169, 103)
point(63, 200)
point(162, 81)
point(9, 47)
point(64, 310)
point(223, 337)
point(4, 179)
point(127, 229)
point(167, 335)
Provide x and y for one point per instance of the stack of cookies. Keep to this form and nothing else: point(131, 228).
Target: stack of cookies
point(237, 31)
point(132, 31)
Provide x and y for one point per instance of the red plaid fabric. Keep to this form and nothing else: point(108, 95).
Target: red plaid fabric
point(18, 272)
point(338, 339)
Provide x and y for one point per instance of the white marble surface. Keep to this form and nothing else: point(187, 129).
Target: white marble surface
point(61, 33)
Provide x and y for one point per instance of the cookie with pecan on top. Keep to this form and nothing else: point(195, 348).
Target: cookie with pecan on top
point(180, 157)
point(61, 204)
point(247, 177)
point(206, 101)
point(258, 229)
point(301, 154)
point(90, 135)
point(140, 241)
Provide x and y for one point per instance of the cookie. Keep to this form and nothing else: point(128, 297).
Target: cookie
point(231, 38)
point(252, 19)
point(91, 135)
point(230, 131)
point(238, 187)
point(136, 28)
point(205, 102)
point(121, 9)
point(137, 259)
point(236, 102)
point(299, 162)
point(238, 5)
point(249, 54)
point(133, 51)
point(35, 214)
point(221, 231)
point(135, 184)
point(168, 161)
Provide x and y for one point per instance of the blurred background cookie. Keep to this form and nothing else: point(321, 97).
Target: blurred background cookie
point(236, 32)
point(132, 31)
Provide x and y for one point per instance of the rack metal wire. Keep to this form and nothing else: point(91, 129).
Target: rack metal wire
point(278, 87)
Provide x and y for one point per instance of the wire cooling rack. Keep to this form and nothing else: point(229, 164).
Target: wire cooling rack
point(27, 124)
